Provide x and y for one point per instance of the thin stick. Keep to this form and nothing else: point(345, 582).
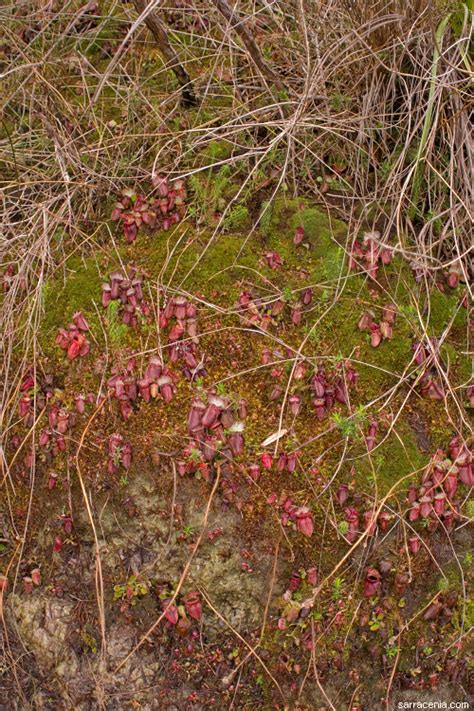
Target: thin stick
point(159, 32)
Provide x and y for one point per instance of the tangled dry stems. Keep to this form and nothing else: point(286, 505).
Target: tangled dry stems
point(374, 95)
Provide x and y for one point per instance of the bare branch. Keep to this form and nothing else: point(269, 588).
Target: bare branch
point(159, 32)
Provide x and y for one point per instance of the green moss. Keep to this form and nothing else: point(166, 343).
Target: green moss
point(286, 214)
point(332, 264)
point(338, 334)
point(207, 267)
point(218, 270)
point(229, 258)
point(465, 367)
point(391, 357)
point(216, 151)
point(319, 231)
point(324, 258)
point(443, 306)
point(469, 614)
point(396, 457)
point(62, 297)
point(116, 330)
point(217, 267)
